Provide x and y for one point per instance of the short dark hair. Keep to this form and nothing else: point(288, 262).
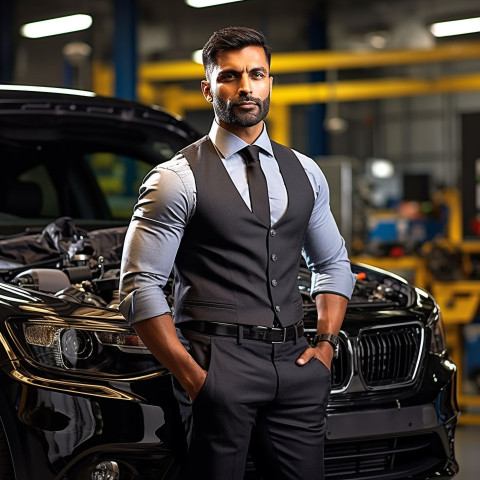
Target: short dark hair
point(232, 38)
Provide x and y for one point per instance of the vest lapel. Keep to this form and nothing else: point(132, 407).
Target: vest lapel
point(294, 177)
point(224, 179)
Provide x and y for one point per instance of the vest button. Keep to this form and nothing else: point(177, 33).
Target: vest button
point(274, 283)
point(277, 308)
point(274, 257)
point(272, 232)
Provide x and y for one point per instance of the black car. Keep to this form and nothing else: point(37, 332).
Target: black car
point(82, 398)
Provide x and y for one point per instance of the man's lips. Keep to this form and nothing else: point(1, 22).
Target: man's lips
point(246, 104)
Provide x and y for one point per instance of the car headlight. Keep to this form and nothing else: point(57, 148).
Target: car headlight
point(438, 344)
point(96, 348)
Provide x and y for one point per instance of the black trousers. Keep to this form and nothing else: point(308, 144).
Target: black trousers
point(255, 394)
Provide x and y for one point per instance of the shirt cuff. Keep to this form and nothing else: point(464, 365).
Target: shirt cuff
point(341, 283)
point(143, 304)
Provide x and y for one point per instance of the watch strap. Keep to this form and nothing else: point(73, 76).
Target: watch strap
point(332, 339)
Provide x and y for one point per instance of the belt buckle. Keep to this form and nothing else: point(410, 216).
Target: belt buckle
point(284, 339)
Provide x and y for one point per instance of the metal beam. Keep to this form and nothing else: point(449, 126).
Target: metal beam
point(310, 61)
point(125, 48)
point(351, 91)
point(178, 99)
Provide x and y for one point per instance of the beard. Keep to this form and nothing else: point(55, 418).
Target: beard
point(224, 111)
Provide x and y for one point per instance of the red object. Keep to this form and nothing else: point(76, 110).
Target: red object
point(397, 251)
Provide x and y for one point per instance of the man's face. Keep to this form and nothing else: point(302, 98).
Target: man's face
point(240, 87)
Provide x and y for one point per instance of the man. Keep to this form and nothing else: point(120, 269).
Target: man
point(248, 366)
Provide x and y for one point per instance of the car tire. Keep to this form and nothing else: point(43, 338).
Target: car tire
point(6, 465)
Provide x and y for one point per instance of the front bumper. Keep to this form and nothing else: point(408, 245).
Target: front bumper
point(414, 442)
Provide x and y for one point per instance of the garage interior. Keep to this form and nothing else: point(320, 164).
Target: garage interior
point(387, 109)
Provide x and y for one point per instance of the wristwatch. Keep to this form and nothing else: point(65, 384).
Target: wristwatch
point(332, 339)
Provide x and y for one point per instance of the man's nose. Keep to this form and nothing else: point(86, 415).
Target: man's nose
point(245, 84)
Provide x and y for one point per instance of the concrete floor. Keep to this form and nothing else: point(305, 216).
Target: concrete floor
point(467, 450)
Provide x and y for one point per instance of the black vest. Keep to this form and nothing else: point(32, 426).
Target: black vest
point(230, 267)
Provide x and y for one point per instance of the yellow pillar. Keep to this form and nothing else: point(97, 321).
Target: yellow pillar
point(102, 79)
point(279, 124)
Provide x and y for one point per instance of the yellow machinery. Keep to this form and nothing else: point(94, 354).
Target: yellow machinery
point(459, 300)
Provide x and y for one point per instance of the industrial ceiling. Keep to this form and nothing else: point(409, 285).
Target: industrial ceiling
point(170, 30)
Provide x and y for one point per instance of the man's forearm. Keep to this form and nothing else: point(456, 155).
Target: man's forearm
point(331, 310)
point(160, 336)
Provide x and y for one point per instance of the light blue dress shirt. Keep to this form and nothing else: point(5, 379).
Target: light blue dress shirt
point(167, 201)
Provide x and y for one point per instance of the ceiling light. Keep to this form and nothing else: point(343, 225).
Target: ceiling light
point(56, 26)
point(377, 39)
point(456, 27)
point(208, 3)
point(197, 56)
point(381, 168)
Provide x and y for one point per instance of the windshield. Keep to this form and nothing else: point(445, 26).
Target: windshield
point(88, 169)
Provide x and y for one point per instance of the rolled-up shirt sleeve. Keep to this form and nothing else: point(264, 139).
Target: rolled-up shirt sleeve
point(324, 247)
point(165, 203)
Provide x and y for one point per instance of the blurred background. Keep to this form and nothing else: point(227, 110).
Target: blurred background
point(381, 93)
point(363, 86)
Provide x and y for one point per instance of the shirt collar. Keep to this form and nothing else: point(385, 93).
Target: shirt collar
point(228, 144)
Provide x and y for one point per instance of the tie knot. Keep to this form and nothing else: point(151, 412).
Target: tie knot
point(251, 154)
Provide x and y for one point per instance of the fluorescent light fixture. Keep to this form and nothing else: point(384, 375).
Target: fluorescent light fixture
point(208, 3)
point(456, 27)
point(56, 26)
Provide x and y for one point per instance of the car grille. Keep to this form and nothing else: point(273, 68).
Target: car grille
point(342, 368)
point(393, 458)
point(388, 356)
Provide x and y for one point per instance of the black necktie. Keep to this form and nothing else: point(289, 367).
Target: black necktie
point(257, 185)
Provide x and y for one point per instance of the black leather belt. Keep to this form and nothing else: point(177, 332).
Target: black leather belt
point(247, 332)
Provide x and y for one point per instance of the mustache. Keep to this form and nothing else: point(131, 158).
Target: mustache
point(246, 98)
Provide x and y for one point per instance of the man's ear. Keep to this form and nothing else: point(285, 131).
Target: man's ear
point(206, 91)
point(271, 84)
